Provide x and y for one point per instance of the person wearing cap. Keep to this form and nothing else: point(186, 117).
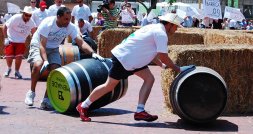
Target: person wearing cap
point(81, 11)
point(52, 10)
point(44, 49)
point(131, 57)
point(40, 14)
point(15, 31)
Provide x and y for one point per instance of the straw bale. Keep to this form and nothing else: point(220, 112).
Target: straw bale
point(108, 39)
point(215, 37)
point(95, 31)
point(186, 38)
point(233, 62)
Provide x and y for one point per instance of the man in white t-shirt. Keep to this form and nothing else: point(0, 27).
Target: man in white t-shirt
point(16, 30)
point(40, 14)
point(132, 56)
point(84, 27)
point(44, 49)
point(52, 10)
point(81, 11)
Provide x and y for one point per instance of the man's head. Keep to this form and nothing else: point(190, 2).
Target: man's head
point(58, 2)
point(80, 23)
point(27, 13)
point(63, 17)
point(171, 22)
point(43, 5)
point(33, 3)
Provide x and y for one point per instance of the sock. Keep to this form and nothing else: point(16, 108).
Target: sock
point(140, 108)
point(86, 103)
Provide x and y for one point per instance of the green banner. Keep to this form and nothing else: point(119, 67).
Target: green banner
point(233, 5)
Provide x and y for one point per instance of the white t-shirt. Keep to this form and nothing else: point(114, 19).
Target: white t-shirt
point(52, 10)
point(39, 15)
point(86, 27)
point(126, 16)
point(17, 29)
point(82, 12)
point(141, 47)
point(53, 33)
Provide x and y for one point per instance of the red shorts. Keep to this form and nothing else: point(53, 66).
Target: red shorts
point(14, 49)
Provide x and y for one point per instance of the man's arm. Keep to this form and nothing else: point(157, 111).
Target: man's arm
point(164, 58)
point(83, 45)
point(43, 42)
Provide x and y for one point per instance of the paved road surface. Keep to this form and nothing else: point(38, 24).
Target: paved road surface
point(117, 117)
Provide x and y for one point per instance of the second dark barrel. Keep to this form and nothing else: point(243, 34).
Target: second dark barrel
point(198, 95)
point(70, 84)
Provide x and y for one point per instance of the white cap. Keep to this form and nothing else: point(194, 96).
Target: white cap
point(172, 18)
point(27, 9)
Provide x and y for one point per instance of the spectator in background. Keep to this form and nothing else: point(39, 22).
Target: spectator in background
point(15, 31)
point(40, 14)
point(52, 10)
point(250, 25)
point(100, 19)
point(188, 21)
point(33, 5)
point(84, 27)
point(81, 11)
point(232, 24)
point(127, 16)
point(123, 4)
point(110, 15)
point(217, 24)
point(7, 16)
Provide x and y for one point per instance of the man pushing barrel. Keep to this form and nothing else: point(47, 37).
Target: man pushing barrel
point(132, 56)
point(44, 49)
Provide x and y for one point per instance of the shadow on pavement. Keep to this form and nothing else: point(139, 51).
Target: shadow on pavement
point(217, 126)
point(96, 113)
point(1, 110)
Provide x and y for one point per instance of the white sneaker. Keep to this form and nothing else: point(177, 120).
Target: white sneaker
point(45, 104)
point(29, 99)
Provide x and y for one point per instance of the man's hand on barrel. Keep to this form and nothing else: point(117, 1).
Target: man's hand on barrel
point(183, 68)
point(44, 66)
point(96, 56)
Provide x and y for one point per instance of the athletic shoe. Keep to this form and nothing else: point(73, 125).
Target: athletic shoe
point(45, 104)
point(18, 75)
point(7, 73)
point(145, 116)
point(29, 99)
point(83, 113)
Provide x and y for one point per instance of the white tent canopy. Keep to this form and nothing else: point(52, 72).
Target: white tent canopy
point(13, 8)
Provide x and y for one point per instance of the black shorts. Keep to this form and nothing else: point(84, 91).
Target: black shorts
point(118, 72)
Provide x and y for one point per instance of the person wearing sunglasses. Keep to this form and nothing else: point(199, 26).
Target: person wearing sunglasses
point(33, 5)
point(15, 31)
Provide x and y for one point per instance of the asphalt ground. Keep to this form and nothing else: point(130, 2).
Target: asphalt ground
point(114, 118)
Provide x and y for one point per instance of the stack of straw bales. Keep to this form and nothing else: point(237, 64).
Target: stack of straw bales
point(233, 62)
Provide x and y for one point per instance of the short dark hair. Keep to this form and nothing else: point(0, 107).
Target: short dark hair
point(80, 20)
point(63, 10)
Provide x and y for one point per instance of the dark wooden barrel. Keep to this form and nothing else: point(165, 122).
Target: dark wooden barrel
point(198, 95)
point(70, 84)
